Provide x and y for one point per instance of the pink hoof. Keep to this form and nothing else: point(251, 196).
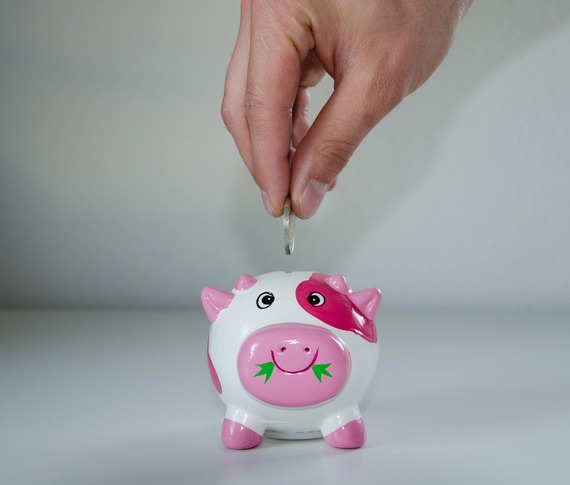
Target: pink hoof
point(239, 437)
point(351, 435)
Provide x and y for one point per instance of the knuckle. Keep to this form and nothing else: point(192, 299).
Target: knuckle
point(333, 155)
point(259, 110)
point(230, 112)
point(255, 112)
point(254, 105)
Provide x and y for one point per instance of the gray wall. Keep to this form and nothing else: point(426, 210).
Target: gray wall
point(119, 186)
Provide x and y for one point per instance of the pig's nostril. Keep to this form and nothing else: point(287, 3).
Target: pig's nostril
point(282, 349)
point(307, 349)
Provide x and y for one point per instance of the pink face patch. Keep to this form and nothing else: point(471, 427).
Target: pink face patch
point(292, 364)
point(320, 299)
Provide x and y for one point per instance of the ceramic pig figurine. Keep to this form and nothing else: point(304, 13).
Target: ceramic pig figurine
point(291, 355)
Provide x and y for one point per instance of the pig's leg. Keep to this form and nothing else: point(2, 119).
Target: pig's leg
point(241, 430)
point(344, 429)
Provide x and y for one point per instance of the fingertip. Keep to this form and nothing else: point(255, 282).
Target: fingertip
point(273, 202)
point(267, 204)
point(310, 198)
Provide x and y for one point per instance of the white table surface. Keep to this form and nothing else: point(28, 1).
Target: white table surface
point(125, 398)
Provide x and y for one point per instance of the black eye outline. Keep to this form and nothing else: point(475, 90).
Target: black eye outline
point(266, 295)
point(318, 296)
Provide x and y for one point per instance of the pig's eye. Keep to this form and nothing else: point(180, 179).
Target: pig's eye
point(316, 299)
point(265, 300)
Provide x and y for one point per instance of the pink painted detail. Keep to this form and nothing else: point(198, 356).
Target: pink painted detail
point(214, 301)
point(237, 436)
point(244, 282)
point(337, 309)
point(214, 375)
point(367, 301)
point(292, 364)
point(351, 435)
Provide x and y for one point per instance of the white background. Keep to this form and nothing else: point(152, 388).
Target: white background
point(120, 187)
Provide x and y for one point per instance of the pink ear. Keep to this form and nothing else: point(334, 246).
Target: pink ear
point(214, 301)
point(244, 282)
point(338, 282)
point(367, 301)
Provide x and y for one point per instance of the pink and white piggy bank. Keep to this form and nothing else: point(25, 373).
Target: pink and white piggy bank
point(291, 355)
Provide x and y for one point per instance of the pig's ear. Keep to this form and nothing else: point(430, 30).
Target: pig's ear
point(338, 282)
point(214, 301)
point(244, 282)
point(367, 301)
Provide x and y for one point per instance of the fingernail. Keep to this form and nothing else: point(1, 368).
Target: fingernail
point(267, 203)
point(312, 197)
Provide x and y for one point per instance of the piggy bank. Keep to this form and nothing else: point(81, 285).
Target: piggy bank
point(291, 355)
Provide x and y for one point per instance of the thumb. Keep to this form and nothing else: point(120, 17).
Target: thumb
point(351, 112)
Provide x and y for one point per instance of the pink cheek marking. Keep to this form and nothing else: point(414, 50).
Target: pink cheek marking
point(214, 375)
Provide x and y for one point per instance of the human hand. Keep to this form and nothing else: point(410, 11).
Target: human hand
point(377, 52)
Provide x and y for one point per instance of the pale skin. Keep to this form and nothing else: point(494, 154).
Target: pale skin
point(377, 52)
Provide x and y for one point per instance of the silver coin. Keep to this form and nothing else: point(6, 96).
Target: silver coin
point(288, 227)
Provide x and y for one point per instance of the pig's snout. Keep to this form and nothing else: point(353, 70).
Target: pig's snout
point(294, 364)
point(294, 356)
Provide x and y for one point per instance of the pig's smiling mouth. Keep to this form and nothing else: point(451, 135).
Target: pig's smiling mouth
point(294, 371)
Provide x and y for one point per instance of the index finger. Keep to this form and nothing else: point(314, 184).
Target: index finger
point(272, 82)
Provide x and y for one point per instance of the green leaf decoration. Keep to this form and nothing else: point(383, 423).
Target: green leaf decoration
point(320, 370)
point(265, 370)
